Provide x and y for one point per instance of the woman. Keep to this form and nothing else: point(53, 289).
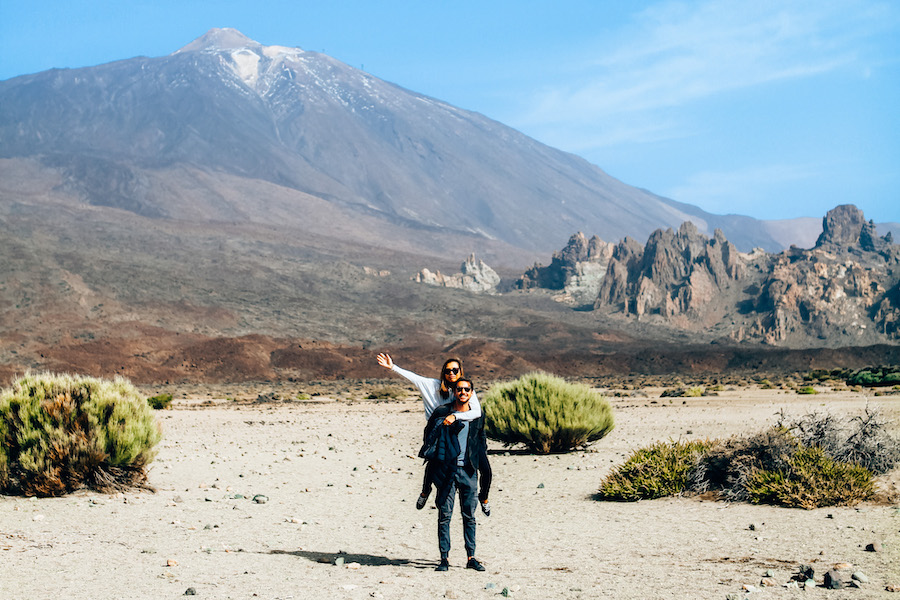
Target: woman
point(434, 393)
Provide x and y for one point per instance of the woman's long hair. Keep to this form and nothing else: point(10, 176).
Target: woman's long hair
point(445, 391)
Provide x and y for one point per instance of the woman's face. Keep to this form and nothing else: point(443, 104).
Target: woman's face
point(452, 372)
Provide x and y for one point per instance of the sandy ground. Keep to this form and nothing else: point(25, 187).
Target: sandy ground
point(341, 480)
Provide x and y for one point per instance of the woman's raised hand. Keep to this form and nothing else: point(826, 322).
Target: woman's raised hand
point(385, 361)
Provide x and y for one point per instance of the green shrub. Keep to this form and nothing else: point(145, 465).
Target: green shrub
point(811, 480)
point(302, 396)
point(160, 401)
point(875, 376)
point(807, 389)
point(661, 469)
point(62, 432)
point(546, 413)
point(766, 384)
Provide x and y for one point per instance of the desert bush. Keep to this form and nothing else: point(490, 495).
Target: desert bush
point(726, 466)
point(545, 413)
point(62, 432)
point(661, 469)
point(862, 439)
point(811, 479)
point(807, 389)
point(160, 401)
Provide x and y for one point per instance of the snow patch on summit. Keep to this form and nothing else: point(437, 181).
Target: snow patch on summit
point(246, 65)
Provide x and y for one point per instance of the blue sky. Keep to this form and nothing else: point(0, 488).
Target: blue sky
point(775, 109)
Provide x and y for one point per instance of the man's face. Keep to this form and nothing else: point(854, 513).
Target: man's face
point(464, 392)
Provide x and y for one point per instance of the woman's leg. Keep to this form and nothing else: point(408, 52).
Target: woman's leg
point(485, 476)
point(426, 487)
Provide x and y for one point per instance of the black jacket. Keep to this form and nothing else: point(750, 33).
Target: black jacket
point(441, 448)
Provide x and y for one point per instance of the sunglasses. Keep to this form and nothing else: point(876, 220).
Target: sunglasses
point(464, 388)
point(452, 370)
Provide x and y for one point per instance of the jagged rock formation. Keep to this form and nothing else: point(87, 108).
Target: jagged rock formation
point(845, 290)
point(473, 276)
point(675, 273)
point(577, 269)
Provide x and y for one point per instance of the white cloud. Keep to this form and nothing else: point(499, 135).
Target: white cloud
point(676, 54)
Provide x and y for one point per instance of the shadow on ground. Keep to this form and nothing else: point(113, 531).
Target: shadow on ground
point(367, 560)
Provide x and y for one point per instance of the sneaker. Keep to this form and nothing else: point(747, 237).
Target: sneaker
point(444, 566)
point(474, 564)
point(486, 508)
point(420, 502)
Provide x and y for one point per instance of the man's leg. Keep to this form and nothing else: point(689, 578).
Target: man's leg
point(468, 502)
point(445, 512)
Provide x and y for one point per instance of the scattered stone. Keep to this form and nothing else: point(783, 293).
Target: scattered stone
point(355, 566)
point(339, 561)
point(540, 486)
point(769, 573)
point(450, 594)
point(860, 577)
point(171, 563)
point(892, 588)
point(809, 584)
point(752, 527)
point(748, 588)
point(835, 580)
point(842, 566)
point(260, 499)
point(490, 586)
point(873, 547)
point(767, 582)
point(806, 572)
point(190, 592)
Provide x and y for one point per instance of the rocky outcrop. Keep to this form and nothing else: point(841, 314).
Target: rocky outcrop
point(577, 269)
point(474, 276)
point(846, 289)
point(675, 273)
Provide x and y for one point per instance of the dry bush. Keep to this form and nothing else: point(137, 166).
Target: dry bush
point(661, 469)
point(60, 432)
point(862, 439)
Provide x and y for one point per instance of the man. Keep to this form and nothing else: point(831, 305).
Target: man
point(454, 449)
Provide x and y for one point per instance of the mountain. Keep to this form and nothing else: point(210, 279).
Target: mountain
point(226, 130)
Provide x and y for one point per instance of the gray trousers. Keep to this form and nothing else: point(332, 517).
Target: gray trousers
point(467, 486)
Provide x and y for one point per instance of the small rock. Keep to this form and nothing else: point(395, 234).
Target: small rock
point(490, 586)
point(806, 572)
point(842, 566)
point(260, 499)
point(809, 584)
point(748, 588)
point(860, 577)
point(450, 594)
point(171, 563)
point(540, 487)
point(190, 592)
point(37, 518)
point(355, 566)
point(339, 561)
point(835, 580)
point(873, 547)
point(769, 573)
point(767, 582)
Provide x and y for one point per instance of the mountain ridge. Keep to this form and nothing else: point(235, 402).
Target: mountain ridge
point(307, 122)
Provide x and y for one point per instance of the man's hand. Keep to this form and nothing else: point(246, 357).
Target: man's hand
point(385, 360)
point(449, 420)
